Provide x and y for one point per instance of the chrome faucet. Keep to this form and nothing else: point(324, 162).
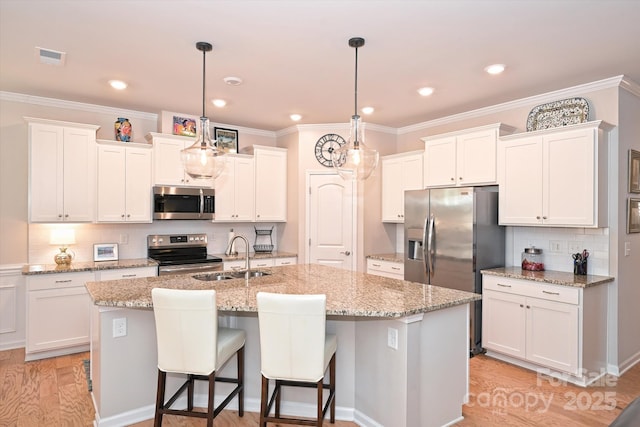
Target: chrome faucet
point(246, 252)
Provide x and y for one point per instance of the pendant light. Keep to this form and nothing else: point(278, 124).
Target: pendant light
point(203, 160)
point(355, 160)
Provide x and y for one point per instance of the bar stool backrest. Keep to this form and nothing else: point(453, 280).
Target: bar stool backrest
point(292, 336)
point(186, 330)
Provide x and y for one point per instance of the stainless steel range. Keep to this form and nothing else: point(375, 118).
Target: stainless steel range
point(181, 253)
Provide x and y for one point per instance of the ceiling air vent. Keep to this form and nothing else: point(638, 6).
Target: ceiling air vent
point(52, 57)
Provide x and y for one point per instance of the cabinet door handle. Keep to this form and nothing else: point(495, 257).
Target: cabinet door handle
point(544, 217)
point(347, 253)
point(66, 215)
point(63, 281)
point(460, 178)
point(528, 307)
point(375, 265)
point(521, 305)
point(129, 275)
point(285, 263)
point(453, 179)
point(59, 215)
point(395, 268)
point(537, 216)
point(504, 286)
point(551, 293)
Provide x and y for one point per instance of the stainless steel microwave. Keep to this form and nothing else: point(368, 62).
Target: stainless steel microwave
point(183, 203)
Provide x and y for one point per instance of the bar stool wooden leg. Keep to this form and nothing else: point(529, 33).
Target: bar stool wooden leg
point(162, 376)
point(241, 381)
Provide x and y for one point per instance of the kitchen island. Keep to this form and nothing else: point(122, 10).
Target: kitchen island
point(402, 355)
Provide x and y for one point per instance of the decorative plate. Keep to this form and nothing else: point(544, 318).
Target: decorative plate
point(569, 111)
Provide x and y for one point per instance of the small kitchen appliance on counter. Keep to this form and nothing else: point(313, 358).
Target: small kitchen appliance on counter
point(181, 254)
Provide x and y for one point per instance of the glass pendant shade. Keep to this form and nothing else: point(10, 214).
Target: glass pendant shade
point(355, 160)
point(202, 160)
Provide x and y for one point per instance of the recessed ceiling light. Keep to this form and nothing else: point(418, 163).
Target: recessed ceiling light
point(368, 110)
point(118, 84)
point(495, 69)
point(219, 102)
point(295, 117)
point(233, 81)
point(425, 91)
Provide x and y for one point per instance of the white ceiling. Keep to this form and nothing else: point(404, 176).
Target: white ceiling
point(294, 57)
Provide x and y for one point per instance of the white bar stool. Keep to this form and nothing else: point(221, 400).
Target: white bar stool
point(190, 342)
point(295, 351)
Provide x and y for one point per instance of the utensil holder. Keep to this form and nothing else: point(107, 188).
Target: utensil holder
point(580, 267)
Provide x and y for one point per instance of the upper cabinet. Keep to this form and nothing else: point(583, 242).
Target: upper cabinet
point(271, 183)
point(124, 182)
point(554, 177)
point(235, 189)
point(167, 163)
point(62, 162)
point(462, 158)
point(400, 172)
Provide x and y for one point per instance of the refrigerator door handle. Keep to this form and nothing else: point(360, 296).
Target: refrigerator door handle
point(431, 244)
point(424, 247)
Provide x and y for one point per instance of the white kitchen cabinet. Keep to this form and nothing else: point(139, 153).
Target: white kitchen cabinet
point(126, 273)
point(235, 190)
point(270, 183)
point(167, 162)
point(124, 182)
point(391, 269)
point(533, 324)
point(61, 171)
point(57, 314)
point(285, 261)
point(554, 177)
point(400, 172)
point(462, 158)
point(261, 263)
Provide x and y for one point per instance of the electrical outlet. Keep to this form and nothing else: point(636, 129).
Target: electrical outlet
point(555, 246)
point(392, 338)
point(120, 327)
point(627, 248)
point(573, 247)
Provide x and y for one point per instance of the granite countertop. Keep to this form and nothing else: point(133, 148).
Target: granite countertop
point(348, 293)
point(75, 267)
point(256, 255)
point(392, 257)
point(554, 277)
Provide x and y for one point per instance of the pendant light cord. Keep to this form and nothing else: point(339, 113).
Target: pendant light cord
point(204, 54)
point(355, 113)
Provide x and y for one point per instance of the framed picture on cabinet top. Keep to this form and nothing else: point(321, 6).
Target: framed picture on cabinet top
point(633, 216)
point(105, 252)
point(634, 171)
point(227, 139)
point(184, 126)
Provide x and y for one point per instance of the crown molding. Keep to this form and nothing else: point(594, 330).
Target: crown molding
point(630, 86)
point(618, 81)
point(78, 106)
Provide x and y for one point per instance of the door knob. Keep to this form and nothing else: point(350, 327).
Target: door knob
point(347, 253)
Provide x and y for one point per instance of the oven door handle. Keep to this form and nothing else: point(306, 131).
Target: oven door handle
point(191, 268)
point(201, 202)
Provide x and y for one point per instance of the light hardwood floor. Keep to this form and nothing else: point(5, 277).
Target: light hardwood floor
point(53, 392)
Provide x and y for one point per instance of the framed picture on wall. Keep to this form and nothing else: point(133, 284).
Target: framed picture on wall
point(633, 216)
point(634, 171)
point(227, 139)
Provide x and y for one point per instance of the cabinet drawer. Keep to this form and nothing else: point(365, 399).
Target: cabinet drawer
point(257, 263)
point(375, 266)
point(234, 265)
point(285, 261)
point(530, 288)
point(59, 281)
point(127, 273)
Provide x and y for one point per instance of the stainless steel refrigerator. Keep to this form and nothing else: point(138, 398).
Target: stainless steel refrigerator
point(450, 235)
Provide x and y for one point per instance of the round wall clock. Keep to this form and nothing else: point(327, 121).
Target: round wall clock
point(326, 145)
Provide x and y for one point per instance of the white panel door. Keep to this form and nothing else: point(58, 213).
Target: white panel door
point(331, 221)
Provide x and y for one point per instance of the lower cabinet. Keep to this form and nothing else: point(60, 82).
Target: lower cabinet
point(57, 314)
point(259, 263)
point(59, 307)
point(393, 270)
point(544, 325)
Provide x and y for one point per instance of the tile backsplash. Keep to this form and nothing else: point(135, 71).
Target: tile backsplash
point(132, 238)
point(558, 244)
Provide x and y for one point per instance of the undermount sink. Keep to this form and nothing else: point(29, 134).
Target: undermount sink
point(241, 274)
point(210, 277)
